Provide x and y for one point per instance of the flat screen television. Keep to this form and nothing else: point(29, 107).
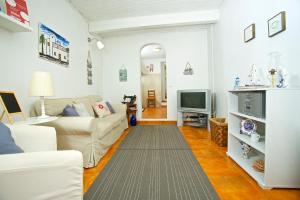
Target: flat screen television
point(194, 100)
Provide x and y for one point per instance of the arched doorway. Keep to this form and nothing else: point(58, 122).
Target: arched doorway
point(153, 81)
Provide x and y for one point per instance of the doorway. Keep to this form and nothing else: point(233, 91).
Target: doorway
point(154, 82)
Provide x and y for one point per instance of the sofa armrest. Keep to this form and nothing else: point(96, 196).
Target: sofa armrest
point(42, 175)
point(72, 125)
point(34, 138)
point(119, 108)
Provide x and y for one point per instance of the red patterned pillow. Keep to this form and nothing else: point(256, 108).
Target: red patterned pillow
point(101, 109)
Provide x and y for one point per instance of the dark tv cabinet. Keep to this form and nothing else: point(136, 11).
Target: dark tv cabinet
point(193, 118)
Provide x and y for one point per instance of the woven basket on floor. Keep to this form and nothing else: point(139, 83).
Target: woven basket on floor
point(219, 131)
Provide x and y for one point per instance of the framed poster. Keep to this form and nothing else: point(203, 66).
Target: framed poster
point(52, 46)
point(249, 33)
point(123, 74)
point(277, 24)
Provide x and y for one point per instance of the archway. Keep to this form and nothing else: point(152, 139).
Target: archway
point(153, 81)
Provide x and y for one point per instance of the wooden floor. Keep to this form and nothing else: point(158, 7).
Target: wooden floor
point(229, 180)
point(155, 113)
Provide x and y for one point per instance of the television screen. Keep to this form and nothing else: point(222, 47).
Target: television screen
point(193, 100)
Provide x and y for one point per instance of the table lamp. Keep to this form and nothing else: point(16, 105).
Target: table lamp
point(41, 86)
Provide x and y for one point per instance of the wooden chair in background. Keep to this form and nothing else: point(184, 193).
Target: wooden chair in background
point(151, 99)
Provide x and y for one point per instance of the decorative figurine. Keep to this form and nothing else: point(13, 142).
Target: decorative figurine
point(245, 150)
point(282, 77)
point(237, 83)
point(254, 78)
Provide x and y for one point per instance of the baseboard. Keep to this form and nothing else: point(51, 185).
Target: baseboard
point(145, 122)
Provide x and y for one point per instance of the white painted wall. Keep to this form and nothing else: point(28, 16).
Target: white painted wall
point(233, 57)
point(185, 44)
point(19, 53)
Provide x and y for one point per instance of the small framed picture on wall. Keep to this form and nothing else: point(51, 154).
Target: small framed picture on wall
point(277, 24)
point(249, 33)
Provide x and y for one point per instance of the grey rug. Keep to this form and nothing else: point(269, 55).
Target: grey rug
point(155, 137)
point(157, 173)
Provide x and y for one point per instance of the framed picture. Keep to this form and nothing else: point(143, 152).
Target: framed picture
point(52, 46)
point(249, 33)
point(277, 24)
point(123, 74)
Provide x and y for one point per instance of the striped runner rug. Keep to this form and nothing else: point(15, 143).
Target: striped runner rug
point(147, 166)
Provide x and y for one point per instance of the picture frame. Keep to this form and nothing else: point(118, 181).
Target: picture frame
point(123, 74)
point(277, 24)
point(52, 46)
point(249, 33)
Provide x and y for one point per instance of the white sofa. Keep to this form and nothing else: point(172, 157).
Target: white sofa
point(90, 135)
point(42, 172)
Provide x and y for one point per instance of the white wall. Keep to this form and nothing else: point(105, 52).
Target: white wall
point(19, 53)
point(233, 57)
point(185, 44)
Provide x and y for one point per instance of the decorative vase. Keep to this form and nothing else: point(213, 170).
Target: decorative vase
point(277, 74)
point(133, 120)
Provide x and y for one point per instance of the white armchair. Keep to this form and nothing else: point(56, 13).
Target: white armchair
point(42, 172)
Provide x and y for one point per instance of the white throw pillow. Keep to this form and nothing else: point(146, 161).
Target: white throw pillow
point(81, 110)
point(101, 109)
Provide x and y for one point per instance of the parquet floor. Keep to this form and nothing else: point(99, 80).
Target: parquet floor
point(228, 179)
point(155, 113)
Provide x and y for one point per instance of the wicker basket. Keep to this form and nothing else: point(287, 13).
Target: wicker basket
point(219, 131)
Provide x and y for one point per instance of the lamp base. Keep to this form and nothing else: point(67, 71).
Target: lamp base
point(43, 117)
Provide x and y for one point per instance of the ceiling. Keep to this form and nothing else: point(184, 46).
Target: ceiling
point(94, 10)
point(150, 51)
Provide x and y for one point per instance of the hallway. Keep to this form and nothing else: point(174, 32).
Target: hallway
point(155, 113)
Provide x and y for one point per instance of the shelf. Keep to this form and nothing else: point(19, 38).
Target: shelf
point(260, 89)
point(248, 116)
point(246, 164)
point(13, 25)
point(260, 146)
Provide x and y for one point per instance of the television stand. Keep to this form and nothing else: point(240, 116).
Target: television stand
point(193, 118)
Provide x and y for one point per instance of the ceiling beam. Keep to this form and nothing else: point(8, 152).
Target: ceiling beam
point(155, 21)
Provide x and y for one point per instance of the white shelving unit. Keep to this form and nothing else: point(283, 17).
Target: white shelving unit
point(13, 25)
point(280, 143)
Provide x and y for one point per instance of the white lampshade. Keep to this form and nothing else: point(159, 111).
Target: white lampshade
point(100, 45)
point(41, 84)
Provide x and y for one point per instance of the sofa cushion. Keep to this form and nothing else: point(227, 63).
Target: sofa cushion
point(69, 111)
point(111, 109)
point(86, 102)
point(101, 109)
point(55, 107)
point(82, 110)
point(7, 143)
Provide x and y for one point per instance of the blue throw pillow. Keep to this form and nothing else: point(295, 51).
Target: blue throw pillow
point(7, 143)
point(111, 109)
point(70, 111)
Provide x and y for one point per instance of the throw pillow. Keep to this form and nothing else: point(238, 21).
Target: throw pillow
point(101, 109)
point(81, 110)
point(111, 109)
point(69, 111)
point(7, 143)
